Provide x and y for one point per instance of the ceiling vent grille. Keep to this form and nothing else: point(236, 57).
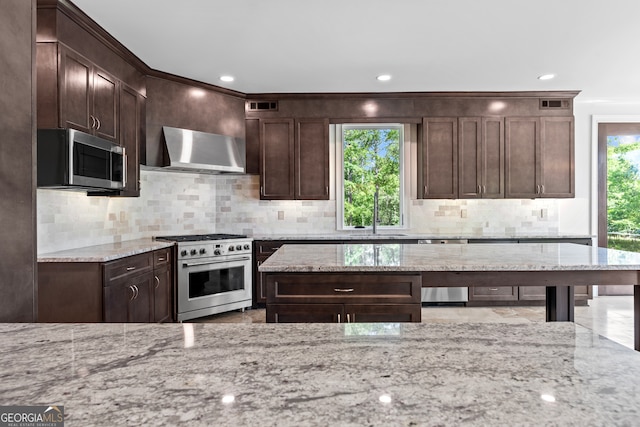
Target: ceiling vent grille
point(263, 105)
point(554, 104)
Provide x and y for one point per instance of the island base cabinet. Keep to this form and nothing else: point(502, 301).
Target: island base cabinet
point(343, 313)
point(328, 298)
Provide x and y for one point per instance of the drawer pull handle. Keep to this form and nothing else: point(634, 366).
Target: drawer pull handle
point(161, 259)
point(339, 318)
point(493, 289)
point(343, 290)
point(348, 318)
point(130, 268)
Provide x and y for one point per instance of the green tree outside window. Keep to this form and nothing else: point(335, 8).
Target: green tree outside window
point(371, 161)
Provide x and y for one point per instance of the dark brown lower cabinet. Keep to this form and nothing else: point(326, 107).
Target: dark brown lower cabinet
point(536, 293)
point(162, 295)
point(523, 295)
point(329, 297)
point(129, 299)
point(138, 288)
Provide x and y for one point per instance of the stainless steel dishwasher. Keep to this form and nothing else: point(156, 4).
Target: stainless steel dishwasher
point(444, 296)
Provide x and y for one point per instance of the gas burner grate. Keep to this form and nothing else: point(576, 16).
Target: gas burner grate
point(200, 237)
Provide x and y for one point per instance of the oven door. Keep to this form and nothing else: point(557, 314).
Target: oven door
point(211, 282)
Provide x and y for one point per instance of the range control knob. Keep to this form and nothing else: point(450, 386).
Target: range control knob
point(183, 252)
point(203, 251)
point(217, 252)
point(231, 248)
point(239, 247)
point(193, 252)
point(247, 246)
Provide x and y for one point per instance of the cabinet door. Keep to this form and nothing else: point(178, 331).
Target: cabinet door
point(557, 157)
point(469, 158)
point(305, 313)
point(105, 105)
point(277, 159)
point(76, 75)
point(492, 158)
point(522, 141)
point(131, 134)
point(439, 159)
point(382, 313)
point(252, 136)
point(129, 300)
point(162, 295)
point(312, 159)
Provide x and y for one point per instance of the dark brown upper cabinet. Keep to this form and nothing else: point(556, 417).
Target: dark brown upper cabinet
point(557, 158)
point(480, 157)
point(84, 97)
point(438, 161)
point(539, 157)
point(312, 159)
point(294, 159)
point(132, 135)
point(276, 159)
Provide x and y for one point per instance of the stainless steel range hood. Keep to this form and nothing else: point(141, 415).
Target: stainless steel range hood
point(194, 151)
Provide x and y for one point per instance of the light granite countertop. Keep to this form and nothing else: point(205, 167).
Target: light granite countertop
point(477, 257)
point(400, 235)
point(321, 374)
point(104, 253)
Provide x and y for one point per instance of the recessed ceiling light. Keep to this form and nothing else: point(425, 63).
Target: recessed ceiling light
point(546, 77)
point(227, 78)
point(384, 77)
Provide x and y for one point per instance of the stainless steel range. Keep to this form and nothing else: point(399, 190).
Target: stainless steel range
point(213, 273)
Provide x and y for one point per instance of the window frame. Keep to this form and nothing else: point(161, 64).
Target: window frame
point(339, 139)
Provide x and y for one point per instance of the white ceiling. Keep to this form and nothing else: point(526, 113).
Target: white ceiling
point(426, 45)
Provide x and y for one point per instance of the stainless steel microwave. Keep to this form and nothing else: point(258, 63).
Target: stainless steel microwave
point(72, 160)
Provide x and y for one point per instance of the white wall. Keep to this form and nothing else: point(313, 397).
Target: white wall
point(579, 215)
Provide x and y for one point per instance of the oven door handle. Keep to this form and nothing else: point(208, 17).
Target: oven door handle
point(194, 264)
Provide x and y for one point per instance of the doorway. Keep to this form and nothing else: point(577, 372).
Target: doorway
point(619, 191)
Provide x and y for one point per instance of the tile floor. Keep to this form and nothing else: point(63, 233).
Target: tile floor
point(610, 316)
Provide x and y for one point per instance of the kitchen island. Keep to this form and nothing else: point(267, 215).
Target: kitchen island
point(299, 276)
point(357, 374)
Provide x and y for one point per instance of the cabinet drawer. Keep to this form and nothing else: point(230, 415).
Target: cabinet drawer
point(365, 313)
point(305, 313)
point(344, 288)
point(128, 266)
point(161, 257)
point(494, 293)
point(267, 247)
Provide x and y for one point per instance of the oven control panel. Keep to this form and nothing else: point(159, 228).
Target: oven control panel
point(214, 249)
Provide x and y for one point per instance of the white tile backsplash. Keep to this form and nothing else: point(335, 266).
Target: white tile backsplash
point(183, 203)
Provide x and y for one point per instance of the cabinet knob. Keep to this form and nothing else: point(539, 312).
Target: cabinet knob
point(98, 120)
point(93, 122)
point(133, 292)
point(157, 281)
point(160, 258)
point(339, 318)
